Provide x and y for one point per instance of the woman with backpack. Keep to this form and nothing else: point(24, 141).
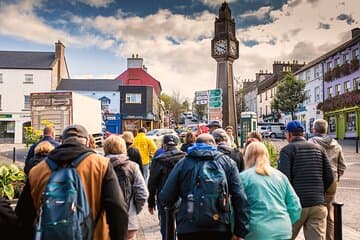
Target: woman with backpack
point(274, 205)
point(40, 153)
point(130, 179)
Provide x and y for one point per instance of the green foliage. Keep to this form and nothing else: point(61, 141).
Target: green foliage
point(273, 153)
point(12, 180)
point(33, 135)
point(289, 94)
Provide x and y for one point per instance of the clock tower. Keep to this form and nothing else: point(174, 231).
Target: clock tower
point(225, 49)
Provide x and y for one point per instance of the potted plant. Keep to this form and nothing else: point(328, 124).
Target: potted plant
point(12, 181)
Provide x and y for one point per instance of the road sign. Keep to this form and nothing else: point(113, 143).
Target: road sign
point(215, 92)
point(216, 99)
point(201, 93)
point(201, 97)
point(201, 102)
point(217, 104)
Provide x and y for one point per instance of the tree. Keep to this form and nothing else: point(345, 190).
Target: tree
point(200, 110)
point(173, 104)
point(289, 94)
point(166, 99)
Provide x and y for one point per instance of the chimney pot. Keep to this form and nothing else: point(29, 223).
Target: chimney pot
point(355, 32)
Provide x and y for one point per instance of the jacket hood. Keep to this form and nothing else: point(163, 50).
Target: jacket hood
point(222, 147)
point(324, 141)
point(67, 152)
point(202, 151)
point(118, 159)
point(170, 158)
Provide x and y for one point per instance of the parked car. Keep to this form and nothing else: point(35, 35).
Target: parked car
point(157, 134)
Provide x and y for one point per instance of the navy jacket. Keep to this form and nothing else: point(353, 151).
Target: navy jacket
point(179, 184)
point(308, 169)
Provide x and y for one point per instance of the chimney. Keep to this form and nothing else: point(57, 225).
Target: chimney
point(60, 58)
point(355, 32)
point(135, 62)
point(59, 50)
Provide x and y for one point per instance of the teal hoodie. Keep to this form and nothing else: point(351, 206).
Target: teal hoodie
point(274, 205)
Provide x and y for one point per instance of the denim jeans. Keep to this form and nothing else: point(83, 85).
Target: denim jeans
point(146, 173)
point(162, 218)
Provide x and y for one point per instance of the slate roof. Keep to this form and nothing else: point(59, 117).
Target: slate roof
point(26, 60)
point(89, 85)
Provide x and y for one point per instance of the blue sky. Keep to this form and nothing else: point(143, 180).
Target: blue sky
point(174, 37)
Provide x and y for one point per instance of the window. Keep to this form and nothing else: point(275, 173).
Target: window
point(0, 102)
point(317, 71)
point(346, 58)
point(307, 75)
point(346, 86)
point(271, 92)
point(337, 61)
point(308, 97)
point(1, 78)
point(332, 124)
point(261, 111)
point(330, 92)
point(317, 94)
point(350, 122)
point(27, 102)
point(329, 66)
point(266, 110)
point(355, 53)
point(356, 83)
point(337, 89)
point(29, 78)
point(260, 97)
point(266, 94)
point(133, 98)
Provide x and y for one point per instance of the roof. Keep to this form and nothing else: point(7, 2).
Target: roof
point(26, 60)
point(334, 51)
point(89, 85)
point(139, 77)
point(268, 82)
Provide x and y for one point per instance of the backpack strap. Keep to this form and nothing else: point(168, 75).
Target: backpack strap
point(54, 166)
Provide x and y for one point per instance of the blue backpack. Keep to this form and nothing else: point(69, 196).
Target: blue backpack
point(65, 212)
point(208, 204)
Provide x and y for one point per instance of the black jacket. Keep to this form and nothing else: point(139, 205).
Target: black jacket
point(9, 224)
point(308, 169)
point(160, 169)
point(112, 200)
point(31, 151)
point(234, 154)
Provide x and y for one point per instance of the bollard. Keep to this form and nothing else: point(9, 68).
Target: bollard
point(337, 221)
point(170, 223)
point(14, 155)
point(357, 144)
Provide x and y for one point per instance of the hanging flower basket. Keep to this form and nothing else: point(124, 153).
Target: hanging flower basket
point(345, 100)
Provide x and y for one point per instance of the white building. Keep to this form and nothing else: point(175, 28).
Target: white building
point(250, 93)
point(22, 73)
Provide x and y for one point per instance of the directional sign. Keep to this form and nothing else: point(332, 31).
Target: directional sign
point(215, 92)
point(216, 99)
point(215, 104)
point(202, 97)
point(201, 102)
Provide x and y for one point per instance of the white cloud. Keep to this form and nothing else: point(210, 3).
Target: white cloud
point(95, 3)
point(259, 14)
point(215, 3)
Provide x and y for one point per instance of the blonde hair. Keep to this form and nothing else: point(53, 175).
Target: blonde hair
point(114, 145)
point(128, 137)
point(257, 154)
point(43, 147)
point(91, 141)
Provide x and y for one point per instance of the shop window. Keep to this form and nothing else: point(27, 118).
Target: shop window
point(332, 124)
point(133, 98)
point(351, 122)
point(29, 78)
point(26, 102)
point(317, 94)
point(330, 92)
point(346, 86)
point(337, 89)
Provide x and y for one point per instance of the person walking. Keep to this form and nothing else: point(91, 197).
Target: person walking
point(189, 141)
point(221, 140)
point(274, 205)
point(308, 169)
point(41, 151)
point(98, 180)
point(48, 135)
point(130, 179)
point(207, 181)
point(230, 132)
point(337, 162)
point(133, 153)
point(215, 124)
point(160, 169)
point(147, 149)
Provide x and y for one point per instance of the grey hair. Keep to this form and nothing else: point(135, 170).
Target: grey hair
point(321, 126)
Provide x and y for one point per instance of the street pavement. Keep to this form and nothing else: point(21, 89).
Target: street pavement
point(348, 191)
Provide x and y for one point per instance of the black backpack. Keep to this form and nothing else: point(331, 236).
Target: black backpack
point(125, 174)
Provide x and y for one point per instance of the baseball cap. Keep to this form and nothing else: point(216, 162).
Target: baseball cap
point(294, 126)
point(214, 123)
point(170, 140)
point(76, 130)
point(220, 135)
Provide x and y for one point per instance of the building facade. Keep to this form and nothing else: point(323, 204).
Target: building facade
point(341, 104)
point(20, 74)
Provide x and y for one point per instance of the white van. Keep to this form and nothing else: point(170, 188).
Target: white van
point(272, 130)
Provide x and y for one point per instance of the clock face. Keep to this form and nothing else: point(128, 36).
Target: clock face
point(220, 47)
point(233, 49)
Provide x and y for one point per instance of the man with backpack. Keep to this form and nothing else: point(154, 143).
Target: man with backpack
point(68, 194)
point(208, 183)
point(160, 169)
point(221, 139)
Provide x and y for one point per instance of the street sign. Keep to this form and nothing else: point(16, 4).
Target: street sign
point(201, 102)
point(216, 99)
point(215, 92)
point(201, 93)
point(217, 104)
point(201, 97)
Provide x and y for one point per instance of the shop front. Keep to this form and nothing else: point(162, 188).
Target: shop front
point(134, 122)
point(344, 123)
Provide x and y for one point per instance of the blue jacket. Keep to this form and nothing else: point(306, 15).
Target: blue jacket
point(179, 184)
point(274, 205)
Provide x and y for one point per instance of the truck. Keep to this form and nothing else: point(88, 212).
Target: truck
point(67, 108)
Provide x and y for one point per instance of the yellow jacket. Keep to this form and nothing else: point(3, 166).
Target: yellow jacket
point(146, 147)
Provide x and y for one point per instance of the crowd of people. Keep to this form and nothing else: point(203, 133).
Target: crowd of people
point(205, 189)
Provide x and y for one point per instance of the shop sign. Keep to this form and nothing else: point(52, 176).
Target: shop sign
point(5, 115)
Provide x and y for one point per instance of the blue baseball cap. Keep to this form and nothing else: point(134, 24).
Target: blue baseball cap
point(295, 126)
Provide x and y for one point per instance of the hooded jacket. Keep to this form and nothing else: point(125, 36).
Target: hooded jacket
point(233, 153)
point(139, 191)
point(146, 147)
point(179, 184)
point(100, 184)
point(160, 169)
point(334, 153)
